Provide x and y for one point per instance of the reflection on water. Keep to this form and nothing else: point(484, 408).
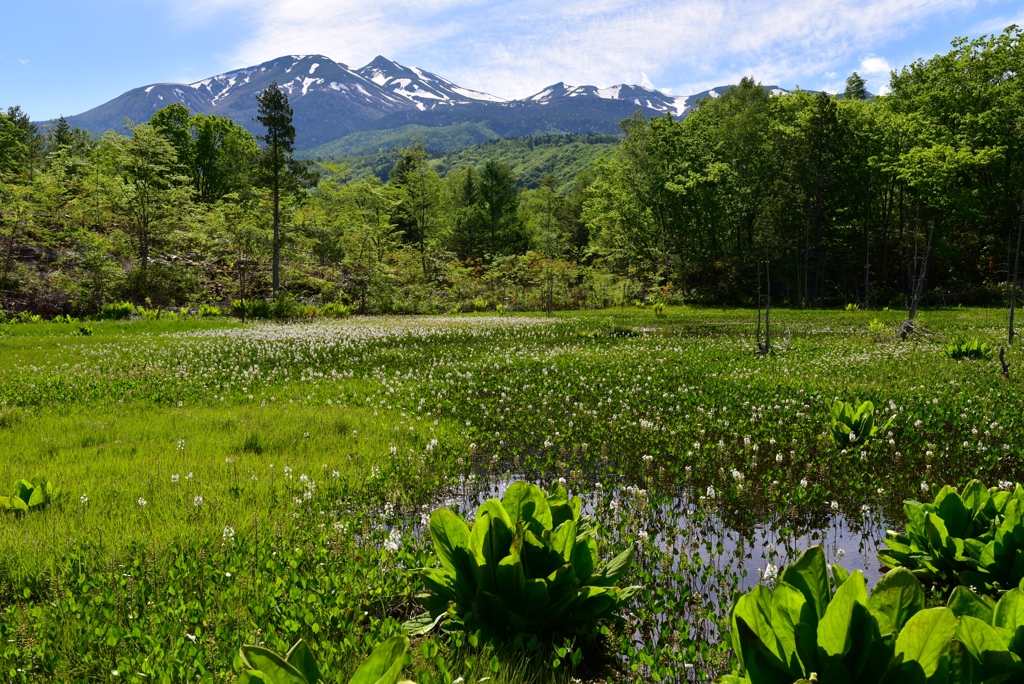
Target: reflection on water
point(692, 558)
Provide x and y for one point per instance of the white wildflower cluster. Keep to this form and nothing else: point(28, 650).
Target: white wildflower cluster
point(394, 541)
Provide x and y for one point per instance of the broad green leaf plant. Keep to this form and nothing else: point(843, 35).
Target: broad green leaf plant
point(527, 566)
point(964, 348)
point(813, 627)
point(853, 425)
point(976, 538)
point(29, 495)
point(989, 640)
point(298, 666)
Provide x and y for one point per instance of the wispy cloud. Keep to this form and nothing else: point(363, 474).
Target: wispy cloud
point(514, 48)
point(23, 62)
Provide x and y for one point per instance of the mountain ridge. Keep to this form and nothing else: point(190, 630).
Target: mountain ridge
point(331, 100)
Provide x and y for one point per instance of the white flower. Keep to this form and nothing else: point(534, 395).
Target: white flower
point(770, 573)
point(174, 478)
point(880, 491)
point(835, 505)
point(197, 501)
point(1006, 485)
point(393, 542)
point(778, 457)
point(647, 458)
point(738, 476)
point(189, 476)
point(644, 536)
point(711, 492)
point(84, 500)
point(840, 553)
point(142, 502)
point(803, 483)
point(228, 534)
point(924, 487)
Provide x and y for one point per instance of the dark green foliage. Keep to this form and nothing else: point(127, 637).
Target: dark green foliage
point(528, 566)
point(246, 308)
point(973, 539)
point(855, 88)
point(990, 635)
point(822, 628)
point(218, 155)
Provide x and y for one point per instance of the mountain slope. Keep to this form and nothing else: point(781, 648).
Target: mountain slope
point(531, 159)
point(332, 101)
point(424, 89)
point(328, 98)
point(437, 139)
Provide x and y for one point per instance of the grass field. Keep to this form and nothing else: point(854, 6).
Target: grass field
point(225, 484)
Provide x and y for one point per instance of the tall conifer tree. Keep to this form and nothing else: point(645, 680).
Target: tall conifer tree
point(276, 116)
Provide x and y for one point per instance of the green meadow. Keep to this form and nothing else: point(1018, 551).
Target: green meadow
point(222, 484)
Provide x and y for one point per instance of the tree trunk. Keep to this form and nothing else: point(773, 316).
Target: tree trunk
point(1016, 266)
point(277, 231)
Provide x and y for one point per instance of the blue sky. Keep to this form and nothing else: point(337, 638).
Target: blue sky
point(65, 57)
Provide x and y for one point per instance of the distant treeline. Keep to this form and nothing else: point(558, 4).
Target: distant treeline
point(824, 200)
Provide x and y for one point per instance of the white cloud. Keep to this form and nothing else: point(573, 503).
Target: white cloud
point(875, 66)
point(23, 62)
point(515, 48)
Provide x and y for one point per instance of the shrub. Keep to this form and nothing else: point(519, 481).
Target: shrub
point(852, 308)
point(809, 627)
point(852, 426)
point(659, 308)
point(480, 304)
point(263, 666)
point(962, 348)
point(284, 307)
point(528, 566)
point(250, 308)
point(84, 330)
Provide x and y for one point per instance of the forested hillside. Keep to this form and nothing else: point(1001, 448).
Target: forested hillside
point(533, 159)
point(824, 200)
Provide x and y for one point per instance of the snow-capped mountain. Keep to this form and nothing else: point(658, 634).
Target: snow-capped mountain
point(331, 100)
point(424, 89)
point(648, 99)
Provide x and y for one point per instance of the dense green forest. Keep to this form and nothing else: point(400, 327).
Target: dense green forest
point(819, 199)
